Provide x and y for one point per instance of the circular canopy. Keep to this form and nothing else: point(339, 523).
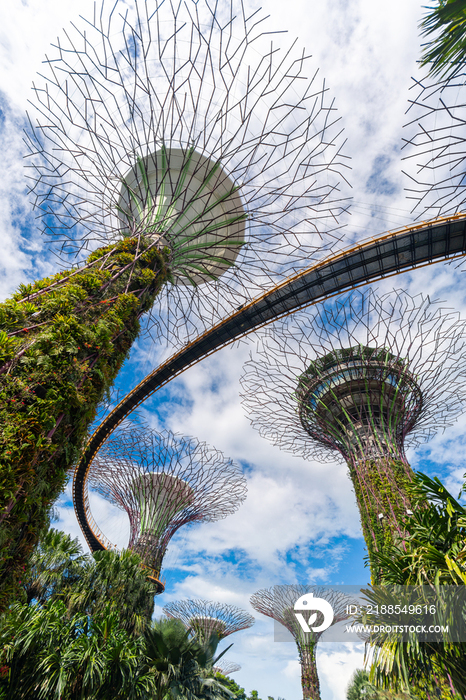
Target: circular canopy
point(185, 201)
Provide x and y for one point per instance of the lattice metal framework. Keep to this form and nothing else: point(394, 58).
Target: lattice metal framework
point(204, 617)
point(361, 377)
point(278, 603)
point(361, 401)
point(226, 668)
point(186, 124)
point(407, 248)
point(435, 147)
point(163, 481)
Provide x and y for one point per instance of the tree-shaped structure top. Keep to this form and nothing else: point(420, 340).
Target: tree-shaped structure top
point(360, 401)
point(226, 667)
point(187, 124)
point(205, 617)
point(164, 481)
point(279, 602)
point(391, 364)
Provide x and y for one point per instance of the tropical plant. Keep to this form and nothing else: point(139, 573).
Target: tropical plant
point(106, 581)
point(52, 651)
point(46, 653)
point(55, 565)
point(238, 692)
point(430, 559)
point(58, 569)
point(434, 551)
point(446, 52)
point(85, 630)
point(181, 664)
point(115, 581)
point(360, 688)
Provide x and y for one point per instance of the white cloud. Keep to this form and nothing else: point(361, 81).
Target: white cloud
point(336, 665)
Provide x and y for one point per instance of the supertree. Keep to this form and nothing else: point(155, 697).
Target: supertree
point(279, 602)
point(168, 143)
point(187, 125)
point(360, 378)
point(204, 618)
point(163, 481)
point(226, 668)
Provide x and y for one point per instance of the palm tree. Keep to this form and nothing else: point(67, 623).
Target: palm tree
point(446, 52)
point(116, 580)
point(55, 564)
point(431, 557)
point(58, 568)
point(359, 687)
point(85, 631)
point(48, 653)
point(181, 664)
point(435, 549)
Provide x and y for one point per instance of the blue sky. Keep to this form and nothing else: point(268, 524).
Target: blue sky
point(299, 523)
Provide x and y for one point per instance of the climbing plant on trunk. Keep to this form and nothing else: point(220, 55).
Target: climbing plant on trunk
point(62, 341)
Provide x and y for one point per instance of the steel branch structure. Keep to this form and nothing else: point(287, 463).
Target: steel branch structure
point(278, 603)
point(226, 668)
point(204, 618)
point(389, 254)
point(360, 378)
point(186, 123)
point(435, 147)
point(163, 481)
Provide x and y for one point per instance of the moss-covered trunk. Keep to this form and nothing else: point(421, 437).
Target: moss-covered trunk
point(62, 343)
point(309, 678)
point(383, 501)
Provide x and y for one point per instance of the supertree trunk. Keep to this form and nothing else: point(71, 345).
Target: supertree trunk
point(381, 492)
point(309, 678)
point(62, 342)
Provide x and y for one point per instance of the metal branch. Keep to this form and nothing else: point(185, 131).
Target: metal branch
point(226, 668)
point(204, 617)
point(359, 378)
point(137, 81)
point(435, 147)
point(163, 481)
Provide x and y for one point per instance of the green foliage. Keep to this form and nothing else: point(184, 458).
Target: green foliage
point(381, 488)
point(48, 654)
point(360, 688)
point(118, 581)
point(232, 686)
point(238, 692)
point(66, 644)
point(434, 551)
point(56, 565)
point(446, 52)
point(363, 353)
point(106, 581)
point(431, 553)
point(63, 340)
point(180, 661)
